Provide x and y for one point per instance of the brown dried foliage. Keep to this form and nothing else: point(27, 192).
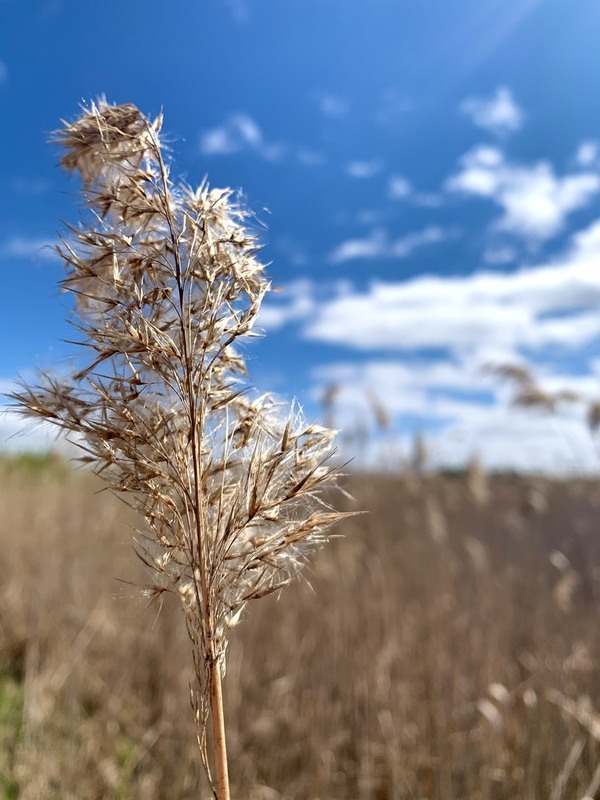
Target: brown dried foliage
point(422, 665)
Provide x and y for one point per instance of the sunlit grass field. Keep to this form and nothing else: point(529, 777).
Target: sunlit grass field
point(446, 648)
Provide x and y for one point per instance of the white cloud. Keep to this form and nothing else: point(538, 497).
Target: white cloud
point(548, 311)
point(18, 435)
point(550, 305)
point(3, 72)
point(239, 133)
point(24, 247)
point(535, 202)
point(399, 188)
point(462, 411)
point(378, 244)
point(295, 302)
point(374, 246)
point(499, 114)
point(363, 169)
point(517, 439)
point(588, 153)
point(404, 246)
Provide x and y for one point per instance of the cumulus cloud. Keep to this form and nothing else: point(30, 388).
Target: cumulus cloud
point(550, 305)
point(539, 317)
point(499, 114)
point(535, 201)
point(240, 132)
point(379, 245)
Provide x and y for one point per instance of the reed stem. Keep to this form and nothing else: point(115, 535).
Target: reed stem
point(218, 726)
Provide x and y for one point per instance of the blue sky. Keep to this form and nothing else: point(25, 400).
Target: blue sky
point(428, 174)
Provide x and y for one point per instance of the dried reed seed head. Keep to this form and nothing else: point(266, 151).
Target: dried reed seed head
point(381, 414)
point(477, 481)
point(106, 135)
point(166, 280)
point(534, 397)
point(513, 372)
point(594, 416)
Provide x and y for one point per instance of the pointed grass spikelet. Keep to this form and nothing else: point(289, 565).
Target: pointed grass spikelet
point(165, 280)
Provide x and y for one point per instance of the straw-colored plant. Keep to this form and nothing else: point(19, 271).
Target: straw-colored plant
point(165, 280)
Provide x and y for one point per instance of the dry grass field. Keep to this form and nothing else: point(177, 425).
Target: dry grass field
point(447, 648)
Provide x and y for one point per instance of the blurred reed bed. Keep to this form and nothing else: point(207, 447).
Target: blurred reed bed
point(449, 651)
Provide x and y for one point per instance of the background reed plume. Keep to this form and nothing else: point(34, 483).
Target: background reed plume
point(165, 280)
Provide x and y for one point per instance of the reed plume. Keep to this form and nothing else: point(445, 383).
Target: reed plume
point(165, 281)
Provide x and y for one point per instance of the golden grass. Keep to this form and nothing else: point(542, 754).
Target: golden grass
point(449, 650)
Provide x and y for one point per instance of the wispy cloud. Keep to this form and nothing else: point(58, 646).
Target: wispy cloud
point(26, 247)
point(373, 246)
point(240, 132)
point(391, 105)
point(293, 250)
point(379, 245)
point(363, 169)
point(428, 199)
point(311, 158)
point(498, 114)
point(503, 254)
point(29, 186)
point(399, 188)
point(588, 153)
point(535, 202)
point(3, 73)
point(332, 105)
point(238, 10)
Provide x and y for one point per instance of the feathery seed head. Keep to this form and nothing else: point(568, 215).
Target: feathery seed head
point(166, 281)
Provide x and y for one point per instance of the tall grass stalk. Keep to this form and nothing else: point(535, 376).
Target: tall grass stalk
point(165, 281)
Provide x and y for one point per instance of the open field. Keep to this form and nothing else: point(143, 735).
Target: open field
point(448, 649)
